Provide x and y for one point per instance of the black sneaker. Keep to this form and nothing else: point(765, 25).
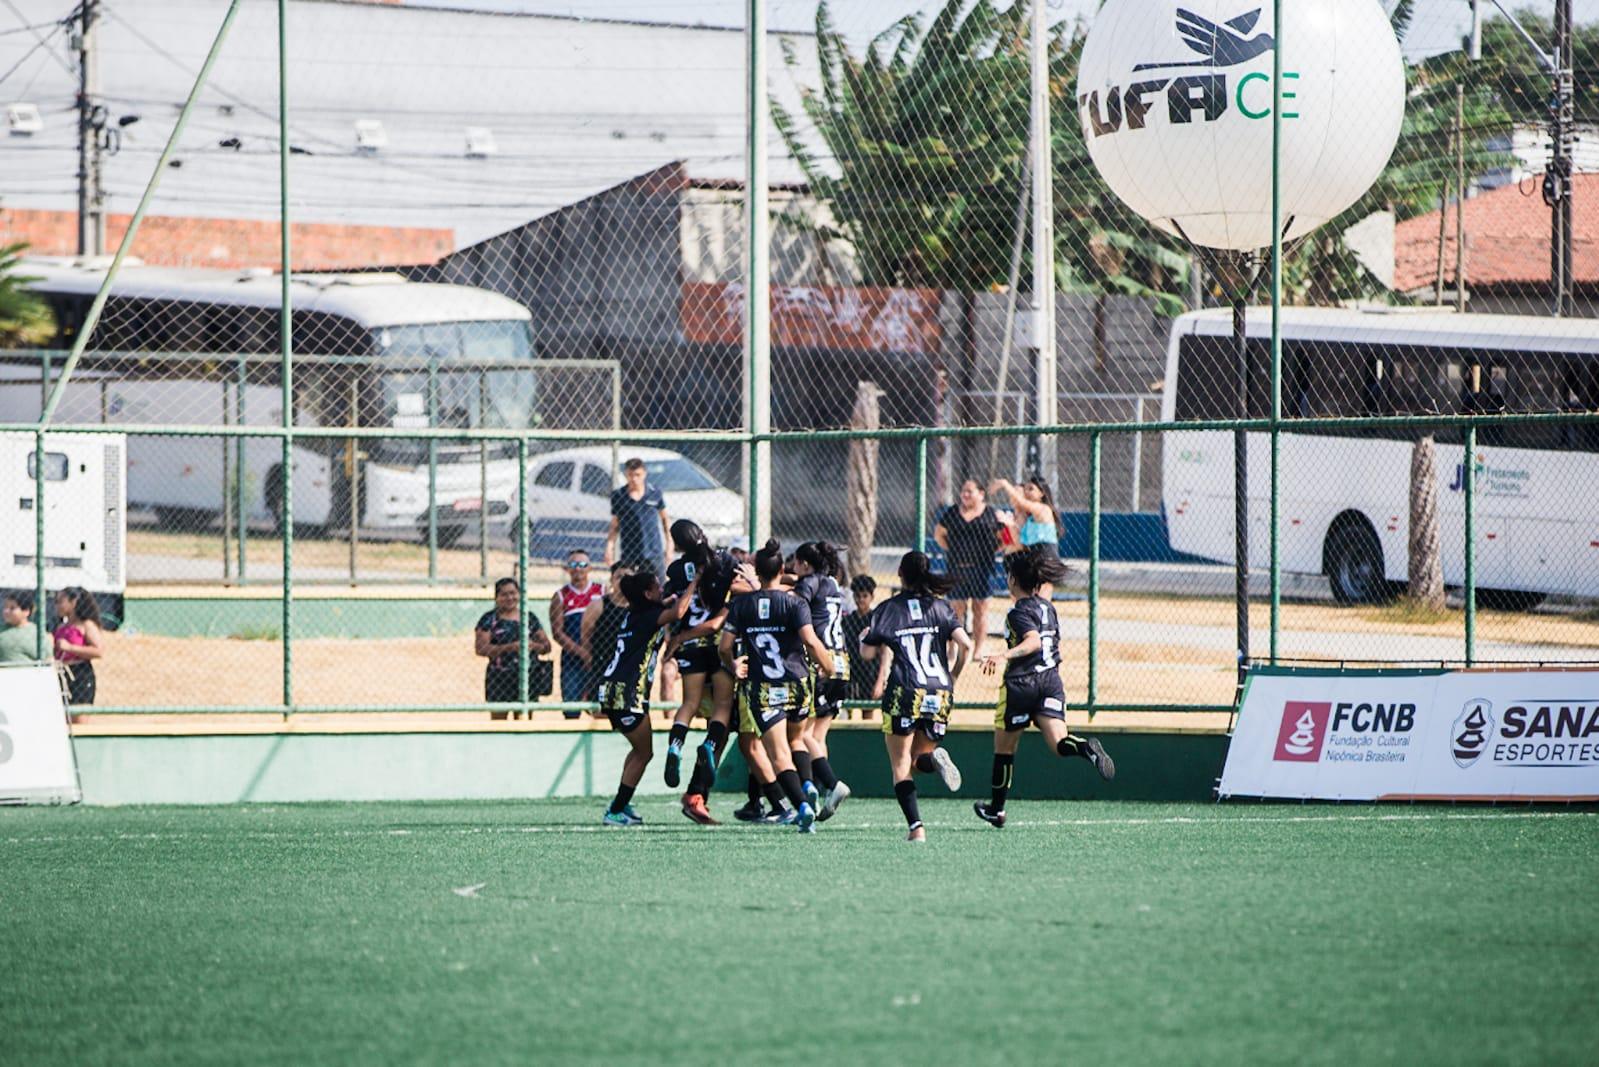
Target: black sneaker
point(1100, 759)
point(750, 812)
point(674, 763)
point(996, 819)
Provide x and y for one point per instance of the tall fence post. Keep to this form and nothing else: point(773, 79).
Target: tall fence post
point(1275, 544)
point(1468, 478)
point(241, 498)
point(286, 343)
point(433, 470)
point(522, 576)
point(1094, 508)
point(921, 495)
point(41, 609)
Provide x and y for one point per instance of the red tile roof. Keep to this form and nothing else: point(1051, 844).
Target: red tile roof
point(1507, 239)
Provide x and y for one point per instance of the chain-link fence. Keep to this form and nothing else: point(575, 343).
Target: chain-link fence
point(520, 251)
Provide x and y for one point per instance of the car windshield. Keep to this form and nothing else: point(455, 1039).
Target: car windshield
point(677, 475)
point(492, 393)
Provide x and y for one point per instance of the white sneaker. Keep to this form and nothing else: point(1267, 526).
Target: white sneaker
point(947, 770)
point(835, 796)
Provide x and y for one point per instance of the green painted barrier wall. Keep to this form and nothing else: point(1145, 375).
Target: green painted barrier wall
point(404, 766)
point(356, 618)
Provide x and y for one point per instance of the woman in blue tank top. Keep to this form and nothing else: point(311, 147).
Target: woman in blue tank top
point(1035, 505)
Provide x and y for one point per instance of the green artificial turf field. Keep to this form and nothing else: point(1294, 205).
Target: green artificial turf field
point(523, 933)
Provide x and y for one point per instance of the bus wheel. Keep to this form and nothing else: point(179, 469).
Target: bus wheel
point(1508, 599)
point(1355, 565)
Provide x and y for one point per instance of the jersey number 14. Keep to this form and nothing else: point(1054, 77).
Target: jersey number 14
point(919, 650)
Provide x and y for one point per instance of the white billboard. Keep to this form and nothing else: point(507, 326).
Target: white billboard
point(37, 764)
point(1416, 735)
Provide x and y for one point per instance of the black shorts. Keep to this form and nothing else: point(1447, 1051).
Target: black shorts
point(971, 583)
point(698, 659)
point(1026, 697)
point(499, 687)
point(81, 684)
point(906, 711)
point(762, 705)
point(626, 704)
point(830, 694)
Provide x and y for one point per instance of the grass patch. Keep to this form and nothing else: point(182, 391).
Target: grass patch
point(1408, 611)
point(262, 632)
point(523, 932)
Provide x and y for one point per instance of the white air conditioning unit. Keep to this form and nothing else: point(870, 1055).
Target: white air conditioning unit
point(23, 120)
point(370, 135)
point(480, 143)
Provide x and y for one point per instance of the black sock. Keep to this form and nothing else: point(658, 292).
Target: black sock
point(774, 795)
point(906, 793)
point(925, 764)
point(624, 793)
point(802, 766)
point(753, 789)
point(1004, 765)
point(1071, 745)
point(699, 783)
point(716, 736)
point(790, 782)
point(824, 773)
point(679, 733)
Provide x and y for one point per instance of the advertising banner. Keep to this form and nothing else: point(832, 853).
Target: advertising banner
point(37, 765)
point(1416, 735)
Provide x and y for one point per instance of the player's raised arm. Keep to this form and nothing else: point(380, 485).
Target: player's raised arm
point(819, 652)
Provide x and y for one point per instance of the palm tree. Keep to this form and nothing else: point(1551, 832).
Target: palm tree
point(25, 320)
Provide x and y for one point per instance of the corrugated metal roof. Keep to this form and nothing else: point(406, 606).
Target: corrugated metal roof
point(575, 106)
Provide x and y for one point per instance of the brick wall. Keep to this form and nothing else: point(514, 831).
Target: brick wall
point(174, 241)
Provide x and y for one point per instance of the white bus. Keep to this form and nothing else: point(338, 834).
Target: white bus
point(85, 516)
point(1345, 497)
point(371, 350)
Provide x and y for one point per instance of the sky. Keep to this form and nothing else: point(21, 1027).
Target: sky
point(1438, 25)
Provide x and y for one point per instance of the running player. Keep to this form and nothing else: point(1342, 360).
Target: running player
point(1032, 690)
point(819, 570)
point(693, 645)
point(910, 635)
point(776, 629)
point(625, 688)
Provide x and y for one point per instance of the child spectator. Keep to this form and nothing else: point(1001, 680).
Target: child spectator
point(499, 638)
point(861, 674)
point(19, 638)
point(78, 641)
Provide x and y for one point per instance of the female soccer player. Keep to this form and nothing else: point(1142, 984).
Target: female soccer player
point(910, 635)
point(819, 570)
point(625, 690)
point(1036, 506)
point(693, 646)
point(602, 621)
point(775, 627)
point(1032, 691)
point(968, 532)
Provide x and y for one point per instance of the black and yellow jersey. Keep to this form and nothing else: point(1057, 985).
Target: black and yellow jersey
point(632, 662)
point(918, 629)
point(768, 623)
point(1033, 614)
point(825, 600)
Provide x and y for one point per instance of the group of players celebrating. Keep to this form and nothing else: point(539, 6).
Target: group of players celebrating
point(764, 637)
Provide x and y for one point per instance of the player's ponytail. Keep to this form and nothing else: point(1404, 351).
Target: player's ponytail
point(822, 558)
point(691, 543)
point(916, 576)
point(769, 561)
point(1033, 567)
point(636, 588)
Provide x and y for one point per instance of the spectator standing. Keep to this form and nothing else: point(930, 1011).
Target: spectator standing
point(639, 524)
point(968, 532)
point(19, 637)
point(602, 625)
point(1036, 506)
point(863, 587)
point(78, 641)
point(568, 605)
point(498, 637)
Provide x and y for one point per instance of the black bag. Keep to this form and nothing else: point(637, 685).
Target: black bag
point(540, 678)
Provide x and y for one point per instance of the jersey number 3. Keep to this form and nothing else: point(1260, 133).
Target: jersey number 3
point(771, 656)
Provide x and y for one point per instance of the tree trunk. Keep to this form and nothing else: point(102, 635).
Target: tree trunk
point(860, 480)
point(1426, 564)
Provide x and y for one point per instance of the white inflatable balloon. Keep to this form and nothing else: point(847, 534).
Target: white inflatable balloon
point(1175, 100)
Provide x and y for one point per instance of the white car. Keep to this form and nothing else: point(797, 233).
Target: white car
point(576, 484)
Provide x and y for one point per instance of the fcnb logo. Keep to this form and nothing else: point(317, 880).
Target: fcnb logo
point(1469, 735)
point(1223, 45)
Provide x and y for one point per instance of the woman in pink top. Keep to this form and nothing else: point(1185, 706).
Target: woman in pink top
point(78, 641)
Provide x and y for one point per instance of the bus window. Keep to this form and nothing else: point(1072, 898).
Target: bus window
point(1207, 378)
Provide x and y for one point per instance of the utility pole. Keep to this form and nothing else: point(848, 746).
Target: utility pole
point(1557, 183)
point(1048, 409)
point(91, 127)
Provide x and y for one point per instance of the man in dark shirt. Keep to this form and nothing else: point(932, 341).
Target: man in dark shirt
point(639, 522)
